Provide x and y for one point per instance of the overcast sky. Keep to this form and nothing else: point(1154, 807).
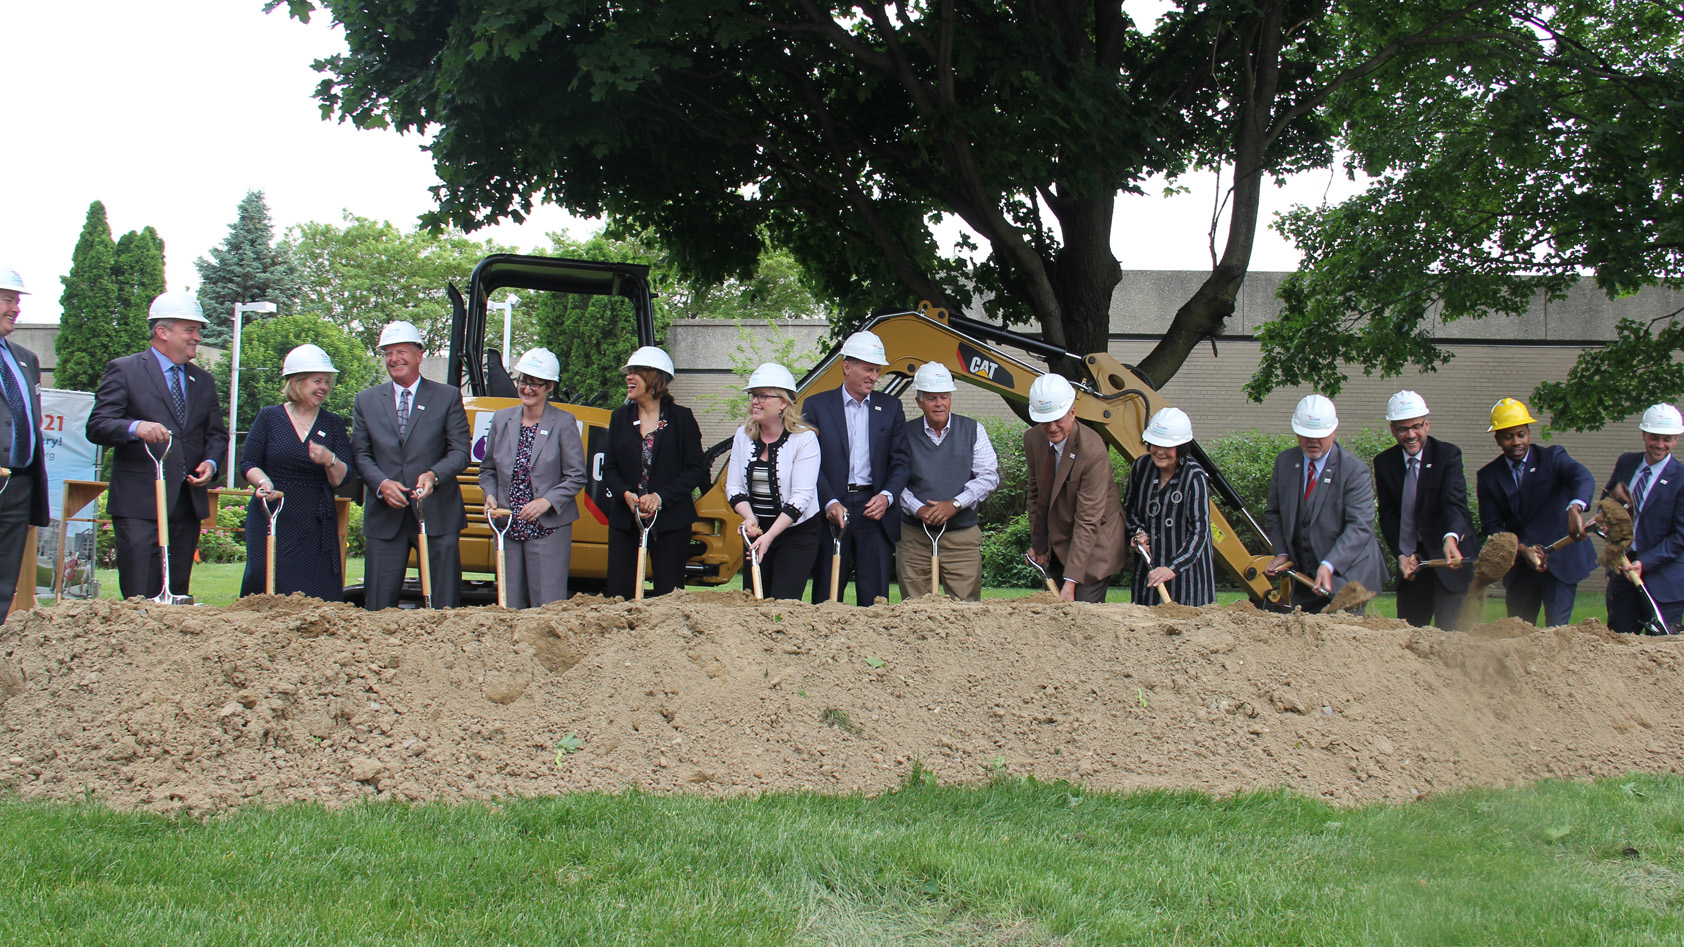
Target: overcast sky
point(171, 111)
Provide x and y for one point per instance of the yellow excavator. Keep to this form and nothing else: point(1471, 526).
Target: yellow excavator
point(1113, 399)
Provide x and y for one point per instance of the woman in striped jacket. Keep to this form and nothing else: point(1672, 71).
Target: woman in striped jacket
point(1167, 512)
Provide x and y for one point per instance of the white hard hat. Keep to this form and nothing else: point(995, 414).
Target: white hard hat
point(1050, 398)
point(1170, 427)
point(1405, 405)
point(933, 378)
point(539, 363)
point(865, 346)
point(1662, 419)
point(176, 305)
point(307, 360)
point(11, 279)
point(649, 357)
point(400, 331)
point(1315, 417)
point(771, 375)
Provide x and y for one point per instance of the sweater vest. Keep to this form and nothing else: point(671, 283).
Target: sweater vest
point(939, 472)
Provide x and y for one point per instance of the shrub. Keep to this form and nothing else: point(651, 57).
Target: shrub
point(227, 544)
point(1002, 555)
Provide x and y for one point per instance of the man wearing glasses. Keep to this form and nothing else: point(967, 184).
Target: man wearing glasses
point(1423, 500)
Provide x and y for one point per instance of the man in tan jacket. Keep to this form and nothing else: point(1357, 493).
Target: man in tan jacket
point(1075, 518)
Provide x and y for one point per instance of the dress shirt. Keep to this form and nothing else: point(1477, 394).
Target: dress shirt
point(1654, 481)
point(857, 414)
point(31, 424)
point(984, 464)
point(1420, 468)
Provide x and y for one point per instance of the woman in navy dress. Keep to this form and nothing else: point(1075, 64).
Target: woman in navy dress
point(297, 449)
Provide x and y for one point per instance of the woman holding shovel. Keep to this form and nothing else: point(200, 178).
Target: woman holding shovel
point(653, 463)
point(1167, 517)
point(535, 462)
point(295, 455)
point(772, 482)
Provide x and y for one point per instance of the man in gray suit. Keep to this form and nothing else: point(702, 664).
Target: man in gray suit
point(410, 439)
point(1320, 514)
point(23, 494)
point(157, 398)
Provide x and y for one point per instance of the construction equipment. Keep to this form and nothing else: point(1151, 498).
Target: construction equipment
point(274, 514)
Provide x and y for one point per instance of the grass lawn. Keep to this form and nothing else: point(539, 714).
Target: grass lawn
point(1010, 863)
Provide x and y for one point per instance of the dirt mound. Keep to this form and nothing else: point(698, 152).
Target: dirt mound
point(280, 699)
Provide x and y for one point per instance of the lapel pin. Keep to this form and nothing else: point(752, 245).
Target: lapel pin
point(543, 432)
point(420, 407)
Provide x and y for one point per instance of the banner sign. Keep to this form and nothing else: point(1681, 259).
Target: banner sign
point(64, 434)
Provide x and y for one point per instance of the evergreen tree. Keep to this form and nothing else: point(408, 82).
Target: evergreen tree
point(248, 267)
point(139, 274)
point(90, 332)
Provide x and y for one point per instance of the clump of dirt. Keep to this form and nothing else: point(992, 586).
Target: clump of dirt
point(290, 699)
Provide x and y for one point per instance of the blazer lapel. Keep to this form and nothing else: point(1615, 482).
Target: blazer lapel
point(149, 365)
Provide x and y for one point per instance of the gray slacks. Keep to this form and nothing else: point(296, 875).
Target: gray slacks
point(538, 569)
point(385, 561)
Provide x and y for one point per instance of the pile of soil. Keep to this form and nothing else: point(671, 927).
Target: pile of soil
point(291, 699)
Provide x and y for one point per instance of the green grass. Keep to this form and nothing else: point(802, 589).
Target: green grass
point(1014, 862)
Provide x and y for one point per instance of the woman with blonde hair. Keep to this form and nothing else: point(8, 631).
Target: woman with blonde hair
point(297, 449)
point(772, 482)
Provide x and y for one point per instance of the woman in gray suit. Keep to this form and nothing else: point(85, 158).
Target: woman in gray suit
point(535, 462)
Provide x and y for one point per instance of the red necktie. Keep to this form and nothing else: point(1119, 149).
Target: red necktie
point(1310, 485)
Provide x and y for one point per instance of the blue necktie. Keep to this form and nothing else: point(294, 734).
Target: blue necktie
point(22, 441)
point(1640, 489)
point(180, 396)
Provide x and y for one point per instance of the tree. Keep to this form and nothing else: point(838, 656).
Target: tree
point(844, 131)
point(139, 272)
point(90, 329)
point(1487, 194)
point(263, 349)
point(247, 268)
point(779, 290)
point(367, 273)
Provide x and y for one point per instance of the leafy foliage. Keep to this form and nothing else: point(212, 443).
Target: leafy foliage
point(91, 327)
point(1496, 178)
point(139, 273)
point(366, 273)
point(263, 349)
point(593, 335)
point(247, 268)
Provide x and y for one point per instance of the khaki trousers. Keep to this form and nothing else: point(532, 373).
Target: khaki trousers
point(961, 562)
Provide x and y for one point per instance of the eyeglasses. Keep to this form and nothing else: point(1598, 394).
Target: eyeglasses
point(1400, 430)
point(531, 385)
point(763, 396)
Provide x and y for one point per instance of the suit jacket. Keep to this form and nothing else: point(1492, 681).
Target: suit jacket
point(1074, 513)
point(1536, 511)
point(134, 389)
point(891, 463)
point(437, 440)
point(1337, 526)
point(677, 469)
point(558, 461)
point(1659, 539)
point(1441, 505)
point(39, 514)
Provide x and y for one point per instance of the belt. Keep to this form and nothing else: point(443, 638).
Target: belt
point(859, 488)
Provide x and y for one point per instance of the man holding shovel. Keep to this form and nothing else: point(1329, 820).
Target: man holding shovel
point(23, 492)
point(153, 399)
point(1075, 516)
point(1539, 494)
point(1423, 498)
point(1649, 483)
point(953, 470)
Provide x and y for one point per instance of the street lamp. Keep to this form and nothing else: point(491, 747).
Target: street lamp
point(240, 309)
point(508, 308)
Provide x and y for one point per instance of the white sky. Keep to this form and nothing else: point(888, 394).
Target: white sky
point(170, 112)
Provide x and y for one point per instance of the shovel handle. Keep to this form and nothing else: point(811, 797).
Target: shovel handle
point(643, 563)
point(163, 513)
point(425, 561)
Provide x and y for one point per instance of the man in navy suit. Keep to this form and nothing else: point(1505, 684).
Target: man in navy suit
point(1423, 499)
point(1539, 494)
point(23, 493)
point(863, 465)
point(1648, 482)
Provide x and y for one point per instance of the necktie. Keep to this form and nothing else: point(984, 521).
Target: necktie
point(403, 414)
point(1640, 489)
point(1519, 467)
point(21, 440)
point(1310, 479)
point(1406, 524)
point(179, 395)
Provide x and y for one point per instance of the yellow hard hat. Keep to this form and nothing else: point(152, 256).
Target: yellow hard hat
point(1509, 413)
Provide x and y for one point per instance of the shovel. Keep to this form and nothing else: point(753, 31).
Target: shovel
point(508, 516)
point(836, 534)
point(5, 478)
point(421, 550)
point(164, 597)
point(1617, 534)
point(1162, 587)
point(1051, 585)
point(274, 520)
point(1302, 579)
point(753, 563)
point(1537, 560)
point(935, 556)
point(643, 550)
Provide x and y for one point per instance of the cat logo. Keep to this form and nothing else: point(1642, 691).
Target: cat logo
point(982, 366)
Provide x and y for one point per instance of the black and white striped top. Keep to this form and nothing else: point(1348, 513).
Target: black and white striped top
point(1176, 519)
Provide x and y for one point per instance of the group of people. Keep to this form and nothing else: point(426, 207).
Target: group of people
point(886, 490)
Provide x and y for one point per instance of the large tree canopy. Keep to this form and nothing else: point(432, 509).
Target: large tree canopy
point(844, 131)
point(1493, 183)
